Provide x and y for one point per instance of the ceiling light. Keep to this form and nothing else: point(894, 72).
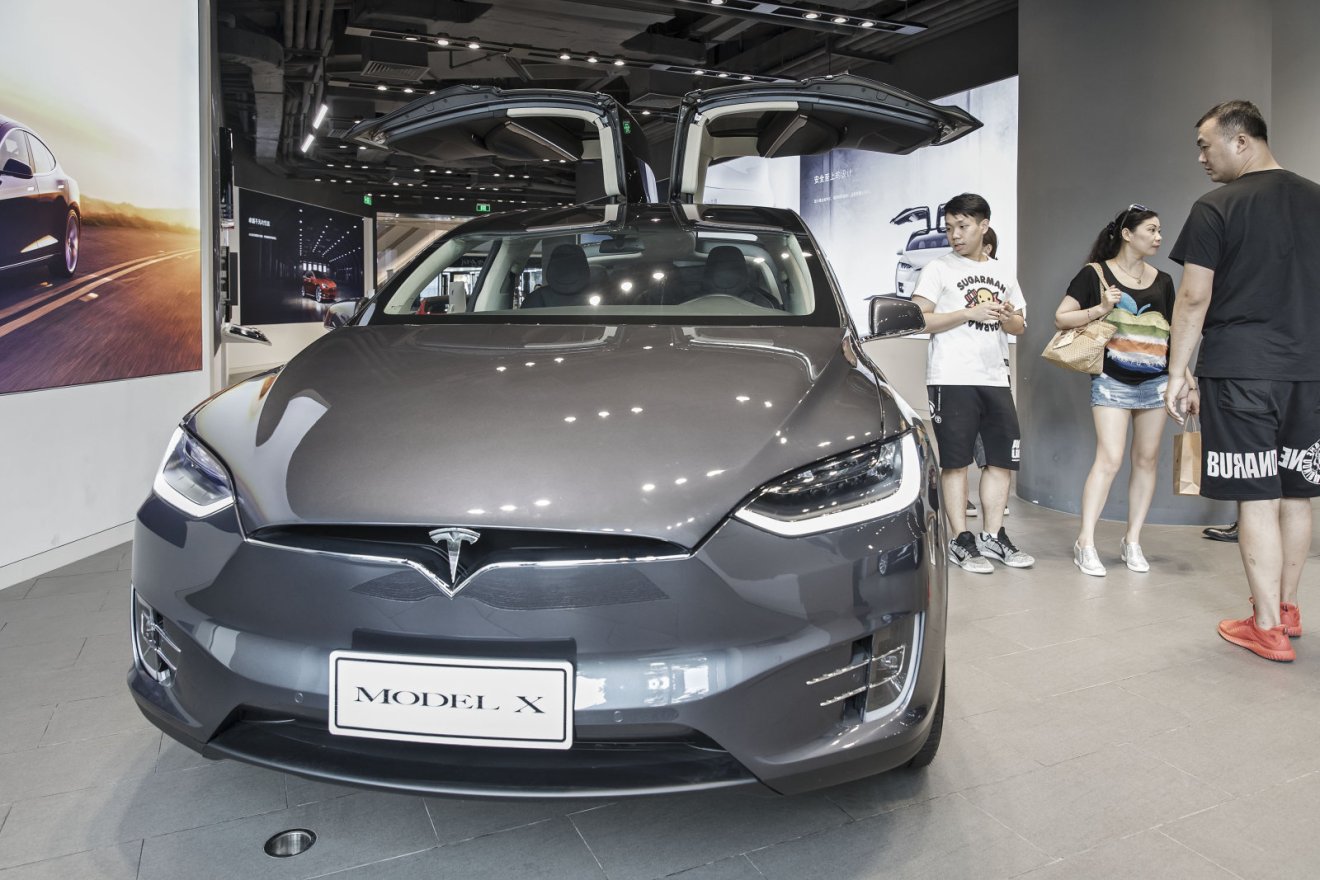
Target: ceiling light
point(473, 44)
point(839, 19)
point(442, 41)
point(592, 59)
point(343, 146)
point(618, 62)
point(811, 15)
point(868, 24)
point(698, 72)
point(320, 116)
point(564, 56)
point(716, 2)
point(407, 90)
point(746, 76)
point(411, 39)
point(646, 112)
point(723, 75)
point(307, 142)
point(382, 88)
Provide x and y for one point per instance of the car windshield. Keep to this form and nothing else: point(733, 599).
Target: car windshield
point(649, 271)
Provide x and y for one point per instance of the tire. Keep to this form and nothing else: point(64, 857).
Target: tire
point(932, 744)
point(65, 263)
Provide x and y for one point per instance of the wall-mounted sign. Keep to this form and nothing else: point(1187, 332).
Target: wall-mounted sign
point(483, 207)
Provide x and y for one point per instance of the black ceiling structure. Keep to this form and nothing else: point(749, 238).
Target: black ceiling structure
point(281, 61)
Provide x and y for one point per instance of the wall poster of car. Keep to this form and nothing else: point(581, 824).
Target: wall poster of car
point(881, 216)
point(295, 259)
point(100, 261)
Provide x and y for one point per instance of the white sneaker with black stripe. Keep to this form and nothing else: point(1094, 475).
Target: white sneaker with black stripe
point(964, 553)
point(1001, 547)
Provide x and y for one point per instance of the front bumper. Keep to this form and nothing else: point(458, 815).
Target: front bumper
point(700, 672)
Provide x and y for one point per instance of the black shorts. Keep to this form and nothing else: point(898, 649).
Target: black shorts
point(960, 412)
point(1260, 439)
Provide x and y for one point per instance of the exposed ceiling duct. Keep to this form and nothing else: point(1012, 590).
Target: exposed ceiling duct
point(264, 57)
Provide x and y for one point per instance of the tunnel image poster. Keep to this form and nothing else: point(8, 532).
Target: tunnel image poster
point(100, 203)
point(295, 260)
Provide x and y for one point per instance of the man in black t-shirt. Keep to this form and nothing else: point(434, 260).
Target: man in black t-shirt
point(1251, 292)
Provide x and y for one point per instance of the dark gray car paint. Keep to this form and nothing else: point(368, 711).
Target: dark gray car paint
point(425, 425)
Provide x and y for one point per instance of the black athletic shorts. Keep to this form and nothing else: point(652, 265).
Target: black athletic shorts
point(960, 412)
point(1260, 439)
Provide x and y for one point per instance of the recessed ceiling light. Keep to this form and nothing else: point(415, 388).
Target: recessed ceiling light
point(592, 59)
point(699, 72)
point(442, 41)
point(473, 44)
point(723, 75)
point(618, 62)
point(716, 2)
point(868, 24)
point(839, 19)
point(564, 56)
point(407, 90)
point(411, 39)
point(746, 76)
point(381, 88)
point(811, 15)
point(646, 112)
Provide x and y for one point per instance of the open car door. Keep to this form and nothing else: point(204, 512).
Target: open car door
point(908, 215)
point(804, 118)
point(523, 125)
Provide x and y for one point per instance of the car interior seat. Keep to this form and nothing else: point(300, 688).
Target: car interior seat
point(567, 279)
point(726, 274)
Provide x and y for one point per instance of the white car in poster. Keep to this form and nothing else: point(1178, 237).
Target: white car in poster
point(923, 245)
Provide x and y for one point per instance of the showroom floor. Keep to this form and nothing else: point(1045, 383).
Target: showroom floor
point(1097, 728)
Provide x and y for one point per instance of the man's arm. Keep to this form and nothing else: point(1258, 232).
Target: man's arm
point(938, 322)
point(1188, 317)
point(1011, 321)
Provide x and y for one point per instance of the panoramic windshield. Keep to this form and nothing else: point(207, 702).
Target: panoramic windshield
point(652, 271)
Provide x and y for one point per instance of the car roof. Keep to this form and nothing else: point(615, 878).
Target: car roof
point(577, 217)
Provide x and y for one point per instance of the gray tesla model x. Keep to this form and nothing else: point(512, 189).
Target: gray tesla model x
point(634, 512)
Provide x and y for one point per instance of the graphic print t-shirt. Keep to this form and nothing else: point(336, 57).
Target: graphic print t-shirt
point(972, 353)
point(1139, 348)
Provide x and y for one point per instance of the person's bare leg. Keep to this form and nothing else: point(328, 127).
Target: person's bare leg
point(994, 495)
point(1111, 429)
point(1261, 544)
point(953, 483)
point(1295, 528)
point(1147, 430)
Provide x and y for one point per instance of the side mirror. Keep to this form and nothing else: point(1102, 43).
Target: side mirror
point(341, 313)
point(239, 333)
point(15, 168)
point(895, 316)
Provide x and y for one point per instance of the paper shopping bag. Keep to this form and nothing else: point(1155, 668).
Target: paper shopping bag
point(1187, 459)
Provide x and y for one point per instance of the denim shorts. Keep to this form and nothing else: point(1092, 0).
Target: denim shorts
point(1120, 395)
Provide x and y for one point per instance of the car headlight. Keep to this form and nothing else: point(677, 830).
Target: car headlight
point(865, 484)
point(191, 479)
point(905, 267)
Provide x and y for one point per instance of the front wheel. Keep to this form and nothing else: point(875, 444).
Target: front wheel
point(66, 262)
point(932, 744)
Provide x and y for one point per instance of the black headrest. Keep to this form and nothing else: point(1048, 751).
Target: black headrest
point(725, 269)
point(567, 271)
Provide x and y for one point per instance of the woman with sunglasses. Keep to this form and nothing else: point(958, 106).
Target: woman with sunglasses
point(1119, 286)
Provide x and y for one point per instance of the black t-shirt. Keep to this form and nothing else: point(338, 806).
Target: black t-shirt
point(1260, 234)
point(1139, 348)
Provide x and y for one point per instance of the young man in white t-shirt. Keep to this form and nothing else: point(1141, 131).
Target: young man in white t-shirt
point(972, 306)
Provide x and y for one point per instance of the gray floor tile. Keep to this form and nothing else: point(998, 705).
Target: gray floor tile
point(100, 716)
point(351, 832)
point(1078, 804)
point(71, 766)
point(300, 792)
point(947, 837)
point(33, 608)
point(22, 727)
point(107, 863)
point(146, 806)
point(61, 685)
point(49, 629)
point(58, 654)
point(735, 868)
point(74, 584)
point(1222, 685)
point(548, 850)
point(969, 690)
point(108, 650)
point(174, 755)
point(698, 829)
point(1148, 854)
point(1076, 723)
point(457, 820)
point(1245, 752)
point(1270, 835)
point(1057, 669)
point(967, 758)
point(106, 560)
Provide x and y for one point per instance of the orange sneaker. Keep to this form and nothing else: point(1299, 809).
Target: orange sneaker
point(1291, 616)
point(1272, 643)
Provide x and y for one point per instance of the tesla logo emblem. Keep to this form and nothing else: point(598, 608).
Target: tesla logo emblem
point(455, 539)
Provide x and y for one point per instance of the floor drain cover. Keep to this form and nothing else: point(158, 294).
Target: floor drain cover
point(290, 843)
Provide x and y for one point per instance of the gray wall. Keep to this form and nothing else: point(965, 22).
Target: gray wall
point(1109, 96)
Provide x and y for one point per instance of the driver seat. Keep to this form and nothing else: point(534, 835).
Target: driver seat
point(567, 279)
point(726, 274)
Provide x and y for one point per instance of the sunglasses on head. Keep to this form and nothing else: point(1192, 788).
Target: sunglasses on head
point(1122, 218)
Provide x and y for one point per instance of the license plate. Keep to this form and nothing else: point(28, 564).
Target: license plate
point(524, 704)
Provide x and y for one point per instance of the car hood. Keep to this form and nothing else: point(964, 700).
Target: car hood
point(655, 430)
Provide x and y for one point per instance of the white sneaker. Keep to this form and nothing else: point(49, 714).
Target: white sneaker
point(1132, 555)
point(1001, 547)
point(1088, 560)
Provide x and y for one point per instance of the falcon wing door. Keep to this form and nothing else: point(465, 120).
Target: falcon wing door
point(527, 125)
point(797, 119)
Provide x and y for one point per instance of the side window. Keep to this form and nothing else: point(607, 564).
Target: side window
point(42, 158)
point(14, 146)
